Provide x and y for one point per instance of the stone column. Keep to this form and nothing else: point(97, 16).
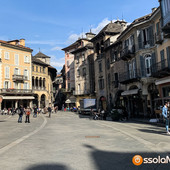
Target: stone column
point(34, 83)
point(31, 104)
point(16, 104)
point(38, 84)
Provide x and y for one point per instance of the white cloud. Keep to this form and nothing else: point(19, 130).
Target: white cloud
point(55, 62)
point(74, 37)
point(56, 48)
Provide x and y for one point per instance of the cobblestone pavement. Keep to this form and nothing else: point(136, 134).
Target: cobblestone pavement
point(68, 141)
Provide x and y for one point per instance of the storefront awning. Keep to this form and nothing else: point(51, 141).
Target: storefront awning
point(18, 97)
point(129, 92)
point(162, 81)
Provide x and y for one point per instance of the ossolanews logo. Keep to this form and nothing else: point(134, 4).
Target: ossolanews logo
point(138, 160)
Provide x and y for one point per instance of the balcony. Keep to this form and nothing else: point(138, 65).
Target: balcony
point(161, 69)
point(128, 53)
point(159, 38)
point(81, 92)
point(129, 77)
point(16, 77)
point(15, 91)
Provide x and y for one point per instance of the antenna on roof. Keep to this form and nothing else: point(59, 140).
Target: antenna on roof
point(82, 32)
point(90, 28)
point(111, 19)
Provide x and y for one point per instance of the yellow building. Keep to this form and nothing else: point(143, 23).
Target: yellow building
point(43, 76)
point(15, 74)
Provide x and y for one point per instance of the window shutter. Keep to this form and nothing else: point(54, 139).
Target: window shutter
point(162, 59)
point(168, 55)
point(153, 62)
point(139, 34)
point(150, 36)
point(142, 66)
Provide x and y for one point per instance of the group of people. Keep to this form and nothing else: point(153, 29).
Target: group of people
point(27, 111)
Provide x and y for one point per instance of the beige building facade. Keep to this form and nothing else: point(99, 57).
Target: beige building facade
point(15, 74)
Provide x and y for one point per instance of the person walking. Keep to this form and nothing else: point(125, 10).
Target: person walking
point(35, 112)
point(28, 112)
point(166, 116)
point(20, 113)
point(49, 111)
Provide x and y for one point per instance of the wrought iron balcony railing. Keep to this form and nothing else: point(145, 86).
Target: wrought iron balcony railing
point(16, 77)
point(15, 91)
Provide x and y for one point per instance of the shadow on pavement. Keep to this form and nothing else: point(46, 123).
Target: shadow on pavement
point(160, 132)
point(2, 120)
point(105, 160)
point(48, 167)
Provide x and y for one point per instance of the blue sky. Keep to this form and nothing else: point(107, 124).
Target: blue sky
point(54, 24)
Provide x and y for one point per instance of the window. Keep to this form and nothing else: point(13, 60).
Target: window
point(132, 69)
point(26, 85)
point(77, 59)
point(26, 74)
point(40, 69)
point(78, 72)
point(148, 64)
point(84, 71)
point(16, 71)
point(83, 58)
point(43, 69)
point(7, 55)
point(101, 84)
point(166, 91)
point(32, 68)
point(6, 84)
point(78, 88)
point(100, 67)
point(116, 80)
point(36, 68)
point(26, 59)
point(7, 72)
point(16, 59)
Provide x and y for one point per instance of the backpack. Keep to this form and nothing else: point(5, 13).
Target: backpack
point(18, 111)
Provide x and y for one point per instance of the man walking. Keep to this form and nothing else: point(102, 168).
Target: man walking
point(20, 113)
point(49, 111)
point(166, 116)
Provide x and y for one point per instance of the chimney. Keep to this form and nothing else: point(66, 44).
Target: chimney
point(154, 9)
point(90, 35)
point(22, 42)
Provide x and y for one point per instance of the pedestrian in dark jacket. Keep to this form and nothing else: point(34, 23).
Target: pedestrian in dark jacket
point(20, 111)
point(49, 111)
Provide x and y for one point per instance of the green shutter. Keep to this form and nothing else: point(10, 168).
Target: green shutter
point(142, 66)
point(168, 55)
point(140, 39)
